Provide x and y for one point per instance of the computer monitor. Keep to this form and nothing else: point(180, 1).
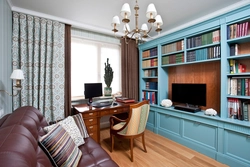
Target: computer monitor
point(92, 90)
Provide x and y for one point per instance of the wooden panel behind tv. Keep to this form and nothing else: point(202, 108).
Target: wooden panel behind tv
point(208, 73)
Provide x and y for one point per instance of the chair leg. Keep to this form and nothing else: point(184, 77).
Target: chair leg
point(143, 142)
point(112, 142)
point(131, 148)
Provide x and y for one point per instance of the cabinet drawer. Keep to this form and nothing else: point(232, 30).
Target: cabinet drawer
point(90, 121)
point(92, 128)
point(89, 114)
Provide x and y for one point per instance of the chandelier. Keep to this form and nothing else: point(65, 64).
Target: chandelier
point(136, 33)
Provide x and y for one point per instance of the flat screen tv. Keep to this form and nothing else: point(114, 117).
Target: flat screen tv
point(92, 90)
point(192, 95)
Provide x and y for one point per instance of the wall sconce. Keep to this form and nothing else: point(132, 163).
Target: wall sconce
point(18, 76)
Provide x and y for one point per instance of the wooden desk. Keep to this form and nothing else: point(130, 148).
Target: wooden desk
point(92, 116)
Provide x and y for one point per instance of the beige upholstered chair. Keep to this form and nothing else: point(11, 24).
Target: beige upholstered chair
point(132, 127)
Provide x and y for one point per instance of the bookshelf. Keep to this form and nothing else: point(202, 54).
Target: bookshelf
point(214, 52)
point(238, 72)
point(150, 75)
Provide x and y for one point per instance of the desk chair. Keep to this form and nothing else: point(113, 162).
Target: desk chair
point(133, 127)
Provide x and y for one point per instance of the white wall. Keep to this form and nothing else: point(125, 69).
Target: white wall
point(5, 57)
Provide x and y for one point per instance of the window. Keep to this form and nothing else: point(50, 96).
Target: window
point(87, 64)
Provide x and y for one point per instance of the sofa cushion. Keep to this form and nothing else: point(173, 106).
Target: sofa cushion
point(81, 125)
point(29, 117)
point(61, 147)
point(18, 147)
point(94, 155)
point(70, 126)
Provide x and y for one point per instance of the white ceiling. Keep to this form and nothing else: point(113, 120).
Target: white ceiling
point(96, 15)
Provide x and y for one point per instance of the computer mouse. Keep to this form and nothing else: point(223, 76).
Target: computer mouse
point(114, 104)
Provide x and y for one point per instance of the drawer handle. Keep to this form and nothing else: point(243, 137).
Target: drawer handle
point(197, 123)
point(115, 110)
point(90, 120)
point(91, 127)
point(91, 134)
point(90, 113)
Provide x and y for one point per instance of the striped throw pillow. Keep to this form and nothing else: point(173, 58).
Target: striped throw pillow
point(81, 125)
point(71, 127)
point(61, 147)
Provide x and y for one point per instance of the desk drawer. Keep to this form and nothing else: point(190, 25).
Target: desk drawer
point(89, 114)
point(90, 121)
point(117, 111)
point(92, 128)
point(104, 112)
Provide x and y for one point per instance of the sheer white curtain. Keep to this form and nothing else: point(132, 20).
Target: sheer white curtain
point(87, 64)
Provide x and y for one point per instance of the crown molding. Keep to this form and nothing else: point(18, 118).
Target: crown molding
point(204, 18)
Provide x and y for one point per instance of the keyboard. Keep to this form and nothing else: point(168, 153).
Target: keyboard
point(99, 104)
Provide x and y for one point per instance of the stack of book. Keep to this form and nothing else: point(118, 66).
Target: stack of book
point(150, 53)
point(149, 63)
point(173, 59)
point(238, 109)
point(125, 100)
point(236, 67)
point(239, 86)
point(204, 39)
point(204, 54)
point(239, 49)
point(151, 96)
point(150, 73)
point(173, 47)
point(238, 30)
point(151, 85)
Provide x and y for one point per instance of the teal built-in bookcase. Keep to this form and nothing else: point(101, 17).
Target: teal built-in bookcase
point(213, 52)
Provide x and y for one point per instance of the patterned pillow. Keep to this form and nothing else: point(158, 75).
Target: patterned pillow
point(70, 126)
point(61, 147)
point(81, 125)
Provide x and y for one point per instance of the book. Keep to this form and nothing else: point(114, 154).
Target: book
point(245, 110)
point(125, 100)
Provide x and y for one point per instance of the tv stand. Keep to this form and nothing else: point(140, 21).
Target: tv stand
point(187, 108)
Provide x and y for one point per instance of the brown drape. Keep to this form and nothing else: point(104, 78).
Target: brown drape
point(130, 69)
point(67, 106)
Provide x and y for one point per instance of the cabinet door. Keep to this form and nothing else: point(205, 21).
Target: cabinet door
point(237, 145)
point(200, 133)
point(170, 124)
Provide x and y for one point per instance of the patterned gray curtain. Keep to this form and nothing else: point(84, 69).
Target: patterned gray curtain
point(38, 49)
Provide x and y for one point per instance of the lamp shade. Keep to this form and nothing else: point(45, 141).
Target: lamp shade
point(151, 10)
point(17, 74)
point(158, 21)
point(144, 27)
point(125, 9)
point(116, 21)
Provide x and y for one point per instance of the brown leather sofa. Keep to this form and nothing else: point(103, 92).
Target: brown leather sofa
point(19, 133)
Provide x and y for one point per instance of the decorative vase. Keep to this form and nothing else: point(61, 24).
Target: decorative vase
point(107, 91)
